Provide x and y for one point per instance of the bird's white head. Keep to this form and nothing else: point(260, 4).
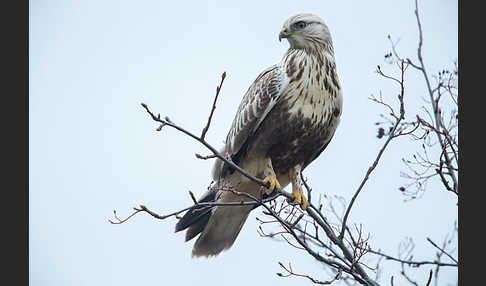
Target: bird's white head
point(306, 31)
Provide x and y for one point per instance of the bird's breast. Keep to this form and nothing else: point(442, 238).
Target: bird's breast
point(310, 100)
point(305, 117)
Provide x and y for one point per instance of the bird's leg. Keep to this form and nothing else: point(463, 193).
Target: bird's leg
point(270, 177)
point(299, 197)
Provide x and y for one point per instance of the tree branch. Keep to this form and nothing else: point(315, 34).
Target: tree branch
point(391, 136)
point(218, 88)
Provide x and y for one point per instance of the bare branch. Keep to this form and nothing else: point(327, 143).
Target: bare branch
point(169, 123)
point(433, 100)
point(290, 272)
point(143, 208)
point(218, 88)
point(430, 278)
point(383, 148)
point(199, 156)
point(411, 262)
point(442, 250)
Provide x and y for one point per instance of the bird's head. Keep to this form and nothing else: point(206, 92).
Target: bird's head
point(306, 31)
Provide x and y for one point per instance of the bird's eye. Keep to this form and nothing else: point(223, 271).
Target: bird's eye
point(300, 25)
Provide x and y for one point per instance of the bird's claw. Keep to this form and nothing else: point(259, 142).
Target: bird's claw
point(300, 199)
point(274, 184)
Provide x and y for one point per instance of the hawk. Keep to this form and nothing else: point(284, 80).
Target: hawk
point(285, 120)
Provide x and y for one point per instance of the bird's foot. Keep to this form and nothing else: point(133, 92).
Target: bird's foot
point(300, 199)
point(274, 184)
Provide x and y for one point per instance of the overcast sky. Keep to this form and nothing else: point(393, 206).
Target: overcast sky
point(93, 149)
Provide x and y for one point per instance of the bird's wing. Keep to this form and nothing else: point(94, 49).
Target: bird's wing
point(257, 102)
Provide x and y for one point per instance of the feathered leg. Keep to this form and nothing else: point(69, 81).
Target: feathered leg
point(270, 177)
point(294, 175)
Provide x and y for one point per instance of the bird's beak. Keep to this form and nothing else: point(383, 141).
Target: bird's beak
point(283, 34)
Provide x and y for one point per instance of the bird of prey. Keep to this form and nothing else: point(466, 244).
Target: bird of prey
point(285, 120)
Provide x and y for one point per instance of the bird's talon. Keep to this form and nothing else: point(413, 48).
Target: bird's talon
point(274, 184)
point(299, 199)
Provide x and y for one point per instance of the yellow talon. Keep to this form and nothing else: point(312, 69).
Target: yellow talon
point(300, 199)
point(274, 185)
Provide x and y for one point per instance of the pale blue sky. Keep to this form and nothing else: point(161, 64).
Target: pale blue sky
point(92, 148)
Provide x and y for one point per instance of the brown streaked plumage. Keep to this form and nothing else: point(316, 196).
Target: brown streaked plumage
point(285, 120)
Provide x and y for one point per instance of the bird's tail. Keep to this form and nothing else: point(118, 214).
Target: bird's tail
point(196, 219)
point(218, 226)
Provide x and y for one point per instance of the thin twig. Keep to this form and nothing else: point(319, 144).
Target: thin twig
point(411, 262)
point(442, 250)
point(199, 156)
point(143, 208)
point(218, 88)
point(430, 278)
point(313, 280)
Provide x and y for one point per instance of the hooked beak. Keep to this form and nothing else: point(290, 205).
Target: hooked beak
point(283, 34)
